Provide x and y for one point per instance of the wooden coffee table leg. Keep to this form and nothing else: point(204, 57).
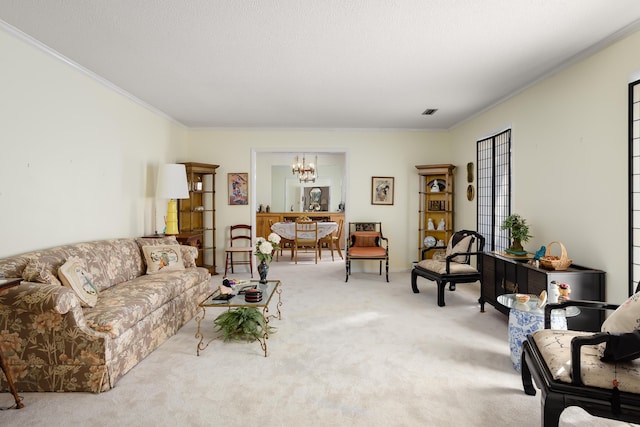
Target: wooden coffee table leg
point(5, 369)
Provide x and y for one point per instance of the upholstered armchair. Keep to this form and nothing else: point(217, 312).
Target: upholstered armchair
point(366, 242)
point(598, 372)
point(455, 266)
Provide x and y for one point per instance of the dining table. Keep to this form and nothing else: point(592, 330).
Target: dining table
point(287, 230)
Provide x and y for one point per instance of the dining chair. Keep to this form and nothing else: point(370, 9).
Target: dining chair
point(306, 237)
point(284, 243)
point(239, 243)
point(333, 240)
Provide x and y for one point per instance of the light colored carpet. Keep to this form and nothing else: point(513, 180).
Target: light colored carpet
point(362, 353)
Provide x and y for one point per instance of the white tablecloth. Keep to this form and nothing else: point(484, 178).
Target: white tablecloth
point(287, 230)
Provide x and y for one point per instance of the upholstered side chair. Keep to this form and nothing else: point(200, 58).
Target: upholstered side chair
point(455, 267)
point(366, 242)
point(599, 372)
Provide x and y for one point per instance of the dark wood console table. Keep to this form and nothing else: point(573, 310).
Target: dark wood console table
point(505, 275)
point(6, 284)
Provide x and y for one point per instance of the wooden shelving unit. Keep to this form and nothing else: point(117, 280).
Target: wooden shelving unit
point(436, 204)
point(197, 214)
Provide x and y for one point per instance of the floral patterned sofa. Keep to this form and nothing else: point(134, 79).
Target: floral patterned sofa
point(53, 342)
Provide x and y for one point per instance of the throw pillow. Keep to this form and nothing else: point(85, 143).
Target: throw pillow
point(75, 276)
point(622, 348)
point(163, 258)
point(365, 239)
point(40, 272)
point(461, 246)
point(625, 318)
point(189, 255)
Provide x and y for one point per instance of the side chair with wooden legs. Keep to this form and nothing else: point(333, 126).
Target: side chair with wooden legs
point(240, 244)
point(333, 240)
point(306, 237)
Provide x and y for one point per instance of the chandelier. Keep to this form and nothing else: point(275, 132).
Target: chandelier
point(306, 171)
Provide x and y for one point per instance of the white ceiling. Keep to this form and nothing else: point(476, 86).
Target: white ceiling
point(322, 63)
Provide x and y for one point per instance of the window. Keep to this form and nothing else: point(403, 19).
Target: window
point(634, 184)
point(494, 188)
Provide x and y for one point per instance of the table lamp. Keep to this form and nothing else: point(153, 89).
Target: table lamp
point(172, 185)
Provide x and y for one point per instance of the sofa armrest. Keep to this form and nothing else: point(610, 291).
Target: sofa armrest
point(39, 298)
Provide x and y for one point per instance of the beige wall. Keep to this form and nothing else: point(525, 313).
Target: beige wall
point(369, 153)
point(570, 154)
point(77, 160)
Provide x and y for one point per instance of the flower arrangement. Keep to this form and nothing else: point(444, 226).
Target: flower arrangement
point(265, 247)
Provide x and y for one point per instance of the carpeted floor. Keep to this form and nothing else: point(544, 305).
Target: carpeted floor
point(362, 353)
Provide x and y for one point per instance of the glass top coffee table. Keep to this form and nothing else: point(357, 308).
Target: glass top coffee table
point(271, 288)
point(526, 318)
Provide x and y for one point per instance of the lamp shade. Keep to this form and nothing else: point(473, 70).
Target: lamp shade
point(172, 182)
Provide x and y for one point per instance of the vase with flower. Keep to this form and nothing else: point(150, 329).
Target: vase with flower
point(264, 252)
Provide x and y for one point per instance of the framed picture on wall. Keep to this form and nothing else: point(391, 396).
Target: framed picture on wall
point(238, 184)
point(382, 190)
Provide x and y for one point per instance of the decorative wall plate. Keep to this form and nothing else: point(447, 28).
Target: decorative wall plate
point(429, 241)
point(471, 192)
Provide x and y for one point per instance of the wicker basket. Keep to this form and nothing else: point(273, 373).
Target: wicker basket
point(556, 264)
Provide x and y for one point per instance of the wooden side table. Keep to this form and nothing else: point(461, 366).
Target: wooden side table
point(6, 284)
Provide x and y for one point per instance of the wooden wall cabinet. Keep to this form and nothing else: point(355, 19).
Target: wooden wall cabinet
point(264, 221)
point(197, 214)
point(436, 204)
point(502, 275)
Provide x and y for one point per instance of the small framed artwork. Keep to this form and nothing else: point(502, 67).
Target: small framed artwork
point(437, 205)
point(238, 184)
point(382, 190)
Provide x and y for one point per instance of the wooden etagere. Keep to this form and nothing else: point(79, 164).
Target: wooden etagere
point(196, 215)
point(436, 204)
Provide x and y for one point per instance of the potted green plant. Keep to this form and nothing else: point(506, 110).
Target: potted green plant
point(519, 232)
point(242, 324)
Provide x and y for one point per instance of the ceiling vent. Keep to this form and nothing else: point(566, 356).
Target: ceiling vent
point(429, 111)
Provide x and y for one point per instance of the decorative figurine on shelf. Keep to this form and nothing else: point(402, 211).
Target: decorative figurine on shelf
point(564, 290)
point(553, 293)
point(430, 225)
point(540, 253)
point(441, 225)
point(435, 188)
point(440, 243)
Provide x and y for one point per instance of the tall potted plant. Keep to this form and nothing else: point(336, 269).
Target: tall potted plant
point(519, 232)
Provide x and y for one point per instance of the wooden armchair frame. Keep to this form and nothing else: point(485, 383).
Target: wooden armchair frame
point(366, 242)
point(557, 395)
point(451, 275)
